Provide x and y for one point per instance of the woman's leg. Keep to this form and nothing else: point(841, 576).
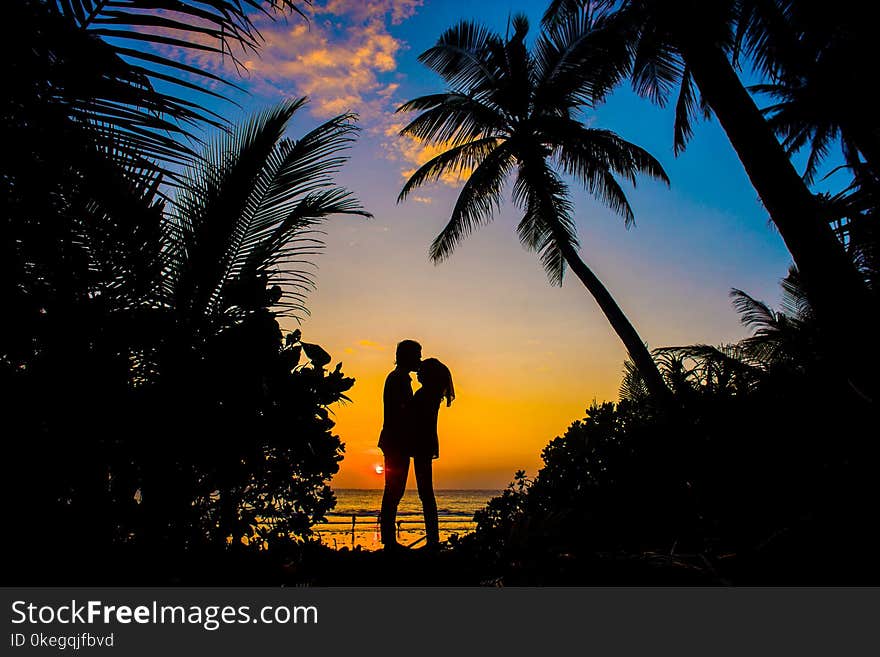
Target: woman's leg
point(425, 483)
point(396, 471)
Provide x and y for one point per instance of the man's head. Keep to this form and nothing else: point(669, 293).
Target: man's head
point(409, 355)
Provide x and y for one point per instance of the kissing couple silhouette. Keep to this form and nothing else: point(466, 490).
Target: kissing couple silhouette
point(409, 431)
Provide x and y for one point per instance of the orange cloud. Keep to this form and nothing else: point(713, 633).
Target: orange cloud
point(339, 65)
point(370, 344)
point(345, 59)
point(413, 153)
point(340, 57)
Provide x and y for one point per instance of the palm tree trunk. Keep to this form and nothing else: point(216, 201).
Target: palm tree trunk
point(620, 323)
point(839, 297)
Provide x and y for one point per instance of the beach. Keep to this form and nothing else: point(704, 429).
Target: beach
point(455, 510)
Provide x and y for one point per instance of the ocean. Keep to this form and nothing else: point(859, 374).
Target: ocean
point(455, 510)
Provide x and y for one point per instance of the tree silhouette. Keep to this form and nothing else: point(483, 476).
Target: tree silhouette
point(174, 414)
point(235, 250)
point(512, 113)
point(87, 83)
point(688, 45)
point(815, 62)
point(108, 71)
point(248, 210)
point(741, 485)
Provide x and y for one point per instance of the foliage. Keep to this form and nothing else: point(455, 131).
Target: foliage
point(509, 111)
point(156, 405)
point(254, 449)
point(105, 67)
point(805, 54)
point(813, 65)
point(739, 484)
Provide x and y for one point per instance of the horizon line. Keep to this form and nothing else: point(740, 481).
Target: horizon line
point(435, 490)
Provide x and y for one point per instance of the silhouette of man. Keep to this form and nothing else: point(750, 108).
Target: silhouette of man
point(394, 439)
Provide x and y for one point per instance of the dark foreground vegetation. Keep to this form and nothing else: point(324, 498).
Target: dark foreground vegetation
point(159, 427)
point(762, 474)
point(152, 406)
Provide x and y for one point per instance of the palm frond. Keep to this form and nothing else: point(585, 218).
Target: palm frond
point(228, 22)
point(559, 10)
point(249, 208)
point(685, 109)
point(765, 34)
point(282, 256)
point(479, 199)
point(754, 314)
point(578, 61)
point(514, 83)
point(701, 368)
point(118, 225)
point(452, 118)
point(455, 160)
point(632, 385)
point(547, 218)
point(595, 156)
point(657, 68)
point(459, 56)
point(794, 301)
point(298, 193)
point(802, 119)
point(108, 63)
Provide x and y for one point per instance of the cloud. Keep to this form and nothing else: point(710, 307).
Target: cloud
point(372, 345)
point(344, 58)
point(413, 153)
point(362, 10)
point(365, 345)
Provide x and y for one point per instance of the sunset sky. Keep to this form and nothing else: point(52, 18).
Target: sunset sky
point(527, 358)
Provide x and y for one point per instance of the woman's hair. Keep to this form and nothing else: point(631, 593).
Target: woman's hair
point(436, 375)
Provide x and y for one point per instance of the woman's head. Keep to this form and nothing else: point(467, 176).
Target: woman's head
point(436, 378)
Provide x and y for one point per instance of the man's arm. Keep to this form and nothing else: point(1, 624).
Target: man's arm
point(397, 395)
point(395, 399)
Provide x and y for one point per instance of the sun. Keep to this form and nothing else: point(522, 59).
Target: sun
point(379, 469)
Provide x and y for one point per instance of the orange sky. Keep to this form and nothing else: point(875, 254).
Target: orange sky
point(527, 358)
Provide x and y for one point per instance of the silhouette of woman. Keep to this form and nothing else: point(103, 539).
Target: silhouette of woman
point(436, 381)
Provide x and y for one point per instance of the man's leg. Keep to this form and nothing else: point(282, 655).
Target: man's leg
point(425, 483)
point(396, 471)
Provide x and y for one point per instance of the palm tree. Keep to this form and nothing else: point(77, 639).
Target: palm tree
point(233, 253)
point(103, 64)
point(784, 347)
point(783, 339)
point(688, 44)
point(815, 60)
point(244, 218)
point(512, 113)
point(175, 308)
point(87, 82)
